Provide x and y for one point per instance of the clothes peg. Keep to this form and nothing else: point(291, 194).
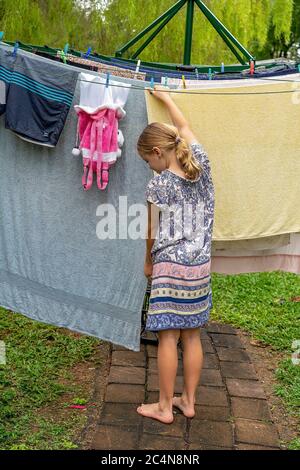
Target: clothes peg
point(66, 48)
point(209, 74)
point(183, 82)
point(197, 74)
point(16, 47)
point(62, 56)
point(152, 83)
point(88, 52)
point(222, 67)
point(299, 68)
point(107, 80)
point(252, 67)
point(1, 35)
point(138, 66)
point(166, 81)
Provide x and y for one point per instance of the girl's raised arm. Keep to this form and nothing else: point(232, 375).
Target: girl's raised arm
point(176, 115)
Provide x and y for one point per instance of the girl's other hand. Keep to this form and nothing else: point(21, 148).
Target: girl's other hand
point(148, 268)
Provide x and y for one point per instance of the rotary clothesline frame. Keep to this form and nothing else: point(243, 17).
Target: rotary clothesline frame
point(164, 19)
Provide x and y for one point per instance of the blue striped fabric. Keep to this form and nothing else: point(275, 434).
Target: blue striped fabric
point(34, 86)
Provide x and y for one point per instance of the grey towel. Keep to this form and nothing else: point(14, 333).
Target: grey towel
point(53, 267)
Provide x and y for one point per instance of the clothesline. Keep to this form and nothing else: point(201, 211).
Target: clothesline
point(186, 92)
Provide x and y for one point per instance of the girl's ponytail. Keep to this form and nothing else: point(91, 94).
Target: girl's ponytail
point(186, 158)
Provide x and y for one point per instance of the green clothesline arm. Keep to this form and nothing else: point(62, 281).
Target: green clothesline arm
point(188, 32)
point(155, 33)
point(133, 41)
point(216, 23)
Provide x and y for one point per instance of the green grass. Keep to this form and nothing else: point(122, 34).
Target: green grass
point(38, 361)
point(260, 304)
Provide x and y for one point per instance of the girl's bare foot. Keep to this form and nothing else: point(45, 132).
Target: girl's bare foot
point(154, 411)
point(187, 410)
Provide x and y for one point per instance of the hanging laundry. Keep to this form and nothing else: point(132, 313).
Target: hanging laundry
point(55, 267)
point(284, 258)
point(99, 112)
point(255, 155)
point(39, 96)
point(104, 68)
point(254, 245)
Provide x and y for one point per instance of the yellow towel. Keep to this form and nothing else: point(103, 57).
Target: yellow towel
point(253, 143)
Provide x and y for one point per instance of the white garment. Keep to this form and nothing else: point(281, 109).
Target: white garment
point(94, 95)
point(198, 84)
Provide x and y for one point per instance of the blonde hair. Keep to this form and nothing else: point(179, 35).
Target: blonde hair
point(166, 137)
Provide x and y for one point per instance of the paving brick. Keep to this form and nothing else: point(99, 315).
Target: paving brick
point(114, 438)
point(152, 397)
point(116, 347)
point(153, 383)
point(176, 429)
point(254, 447)
point(233, 355)
point(210, 361)
point(128, 358)
point(211, 433)
point(211, 396)
point(204, 334)
point(250, 408)
point(207, 447)
point(212, 413)
point(125, 393)
point(207, 347)
point(151, 442)
point(218, 328)
point(255, 432)
point(227, 341)
point(151, 350)
point(211, 377)
point(120, 414)
point(238, 370)
point(245, 388)
point(127, 375)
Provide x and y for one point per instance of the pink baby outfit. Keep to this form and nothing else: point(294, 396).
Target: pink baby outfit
point(99, 112)
point(98, 133)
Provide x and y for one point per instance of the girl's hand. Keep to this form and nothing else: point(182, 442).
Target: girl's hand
point(148, 268)
point(160, 92)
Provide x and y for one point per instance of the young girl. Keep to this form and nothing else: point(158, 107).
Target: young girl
point(178, 265)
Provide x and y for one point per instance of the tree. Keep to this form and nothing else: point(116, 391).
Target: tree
point(267, 28)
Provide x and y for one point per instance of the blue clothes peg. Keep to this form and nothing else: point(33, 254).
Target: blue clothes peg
point(222, 67)
point(16, 47)
point(88, 53)
point(66, 48)
point(197, 74)
point(107, 80)
point(152, 83)
point(298, 67)
point(1, 35)
point(209, 73)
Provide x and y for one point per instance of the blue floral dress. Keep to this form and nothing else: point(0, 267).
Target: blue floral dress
point(181, 295)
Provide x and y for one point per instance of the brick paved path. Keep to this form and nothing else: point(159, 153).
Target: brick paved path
point(231, 407)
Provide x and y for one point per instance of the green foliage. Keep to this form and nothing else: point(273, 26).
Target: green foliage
point(264, 27)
